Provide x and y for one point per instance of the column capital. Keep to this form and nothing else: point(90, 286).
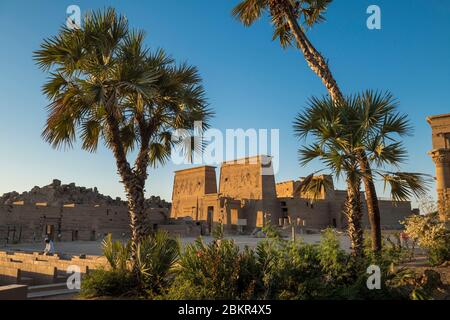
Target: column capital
point(440, 156)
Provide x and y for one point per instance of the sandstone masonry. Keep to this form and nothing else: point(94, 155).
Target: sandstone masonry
point(440, 126)
point(247, 199)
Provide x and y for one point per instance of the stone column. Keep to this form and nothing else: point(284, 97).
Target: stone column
point(441, 158)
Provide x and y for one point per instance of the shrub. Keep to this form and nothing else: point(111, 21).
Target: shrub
point(116, 252)
point(334, 261)
point(431, 235)
point(157, 255)
point(115, 283)
point(393, 251)
point(292, 269)
point(424, 286)
point(276, 269)
point(296, 270)
point(215, 271)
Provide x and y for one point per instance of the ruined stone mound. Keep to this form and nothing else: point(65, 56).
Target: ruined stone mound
point(57, 194)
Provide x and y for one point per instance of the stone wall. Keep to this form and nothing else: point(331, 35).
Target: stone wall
point(288, 189)
point(70, 213)
point(329, 212)
point(189, 188)
point(242, 179)
point(30, 223)
point(391, 213)
point(316, 215)
point(251, 181)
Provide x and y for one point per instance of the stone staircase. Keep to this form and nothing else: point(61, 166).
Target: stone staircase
point(50, 291)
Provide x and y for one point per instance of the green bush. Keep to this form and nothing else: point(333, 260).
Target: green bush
point(431, 234)
point(439, 254)
point(393, 251)
point(335, 262)
point(276, 269)
point(293, 270)
point(156, 256)
point(116, 252)
point(324, 271)
point(115, 283)
point(218, 270)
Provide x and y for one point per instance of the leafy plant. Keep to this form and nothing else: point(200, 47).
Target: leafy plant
point(157, 255)
point(215, 271)
point(408, 284)
point(334, 261)
point(276, 269)
point(271, 231)
point(431, 234)
point(116, 253)
point(112, 283)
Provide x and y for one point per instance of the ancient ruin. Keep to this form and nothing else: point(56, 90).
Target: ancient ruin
point(247, 199)
point(440, 126)
point(67, 212)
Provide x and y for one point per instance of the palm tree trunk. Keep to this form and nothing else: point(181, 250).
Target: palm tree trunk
point(136, 209)
point(133, 189)
point(314, 59)
point(353, 212)
point(373, 210)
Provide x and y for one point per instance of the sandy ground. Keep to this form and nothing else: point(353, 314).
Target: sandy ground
point(94, 247)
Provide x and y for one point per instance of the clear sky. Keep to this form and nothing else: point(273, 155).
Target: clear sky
point(250, 81)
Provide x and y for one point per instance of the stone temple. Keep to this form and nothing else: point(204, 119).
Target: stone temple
point(246, 199)
point(440, 126)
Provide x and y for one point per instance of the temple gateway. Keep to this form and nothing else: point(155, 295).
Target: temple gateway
point(247, 199)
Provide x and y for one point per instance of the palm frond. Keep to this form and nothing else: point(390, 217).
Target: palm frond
point(314, 11)
point(404, 185)
point(248, 11)
point(313, 187)
point(104, 71)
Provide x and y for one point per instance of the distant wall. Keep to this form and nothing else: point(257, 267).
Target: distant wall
point(391, 214)
point(330, 213)
point(287, 189)
point(315, 214)
point(30, 223)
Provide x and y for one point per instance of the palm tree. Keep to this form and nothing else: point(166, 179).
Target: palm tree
point(322, 121)
point(105, 86)
point(377, 128)
point(364, 124)
point(289, 19)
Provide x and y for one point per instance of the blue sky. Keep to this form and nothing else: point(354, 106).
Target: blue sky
point(250, 81)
